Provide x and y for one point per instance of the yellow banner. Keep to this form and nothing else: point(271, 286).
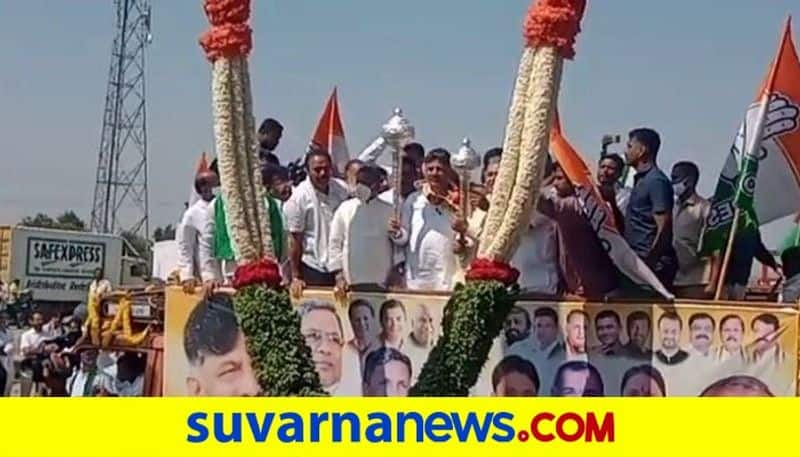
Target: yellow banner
point(393, 427)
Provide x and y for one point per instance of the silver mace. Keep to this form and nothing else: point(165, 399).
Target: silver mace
point(397, 132)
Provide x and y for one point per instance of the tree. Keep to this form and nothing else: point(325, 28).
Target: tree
point(164, 233)
point(68, 220)
point(40, 220)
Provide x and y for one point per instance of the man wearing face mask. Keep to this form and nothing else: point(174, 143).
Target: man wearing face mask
point(195, 262)
point(360, 248)
point(350, 173)
point(688, 218)
point(648, 218)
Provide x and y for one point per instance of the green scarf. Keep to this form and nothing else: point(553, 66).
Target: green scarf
point(223, 249)
point(223, 245)
point(276, 227)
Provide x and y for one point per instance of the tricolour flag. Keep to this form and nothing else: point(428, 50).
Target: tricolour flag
point(767, 144)
point(330, 134)
point(599, 213)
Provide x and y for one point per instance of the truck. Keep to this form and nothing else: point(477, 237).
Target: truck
point(57, 266)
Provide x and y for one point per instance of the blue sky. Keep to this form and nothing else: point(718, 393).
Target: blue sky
point(686, 68)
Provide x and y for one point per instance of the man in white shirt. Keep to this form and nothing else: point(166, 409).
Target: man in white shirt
point(100, 286)
point(34, 350)
point(194, 262)
point(309, 213)
point(30, 343)
point(427, 229)
point(87, 379)
point(365, 333)
point(393, 323)
point(767, 351)
point(701, 335)
point(410, 174)
point(421, 339)
point(731, 334)
point(350, 174)
point(360, 248)
point(129, 377)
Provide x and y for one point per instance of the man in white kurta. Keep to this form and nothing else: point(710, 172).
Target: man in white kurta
point(426, 229)
point(360, 248)
point(194, 262)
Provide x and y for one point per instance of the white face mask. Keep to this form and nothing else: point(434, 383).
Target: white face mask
point(362, 192)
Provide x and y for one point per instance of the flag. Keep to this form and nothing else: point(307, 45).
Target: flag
point(767, 144)
point(202, 166)
point(330, 134)
point(599, 213)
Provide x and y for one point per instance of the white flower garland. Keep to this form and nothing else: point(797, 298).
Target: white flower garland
point(234, 131)
point(504, 183)
point(526, 148)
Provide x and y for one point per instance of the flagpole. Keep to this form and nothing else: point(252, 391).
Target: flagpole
point(751, 152)
point(723, 272)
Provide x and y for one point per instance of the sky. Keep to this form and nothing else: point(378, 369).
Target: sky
point(687, 68)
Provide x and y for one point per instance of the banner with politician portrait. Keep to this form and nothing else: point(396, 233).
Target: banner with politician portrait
point(376, 344)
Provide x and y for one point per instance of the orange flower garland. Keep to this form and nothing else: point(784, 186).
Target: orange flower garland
point(229, 35)
point(554, 23)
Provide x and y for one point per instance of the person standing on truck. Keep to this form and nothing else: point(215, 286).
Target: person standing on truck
point(100, 286)
point(192, 260)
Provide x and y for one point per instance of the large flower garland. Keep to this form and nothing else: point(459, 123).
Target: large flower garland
point(475, 313)
point(271, 326)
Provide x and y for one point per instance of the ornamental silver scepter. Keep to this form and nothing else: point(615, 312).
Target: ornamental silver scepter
point(397, 132)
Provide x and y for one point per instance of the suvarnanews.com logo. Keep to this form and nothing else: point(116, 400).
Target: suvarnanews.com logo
point(400, 427)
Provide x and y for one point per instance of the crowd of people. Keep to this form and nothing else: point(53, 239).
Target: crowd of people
point(337, 225)
point(52, 356)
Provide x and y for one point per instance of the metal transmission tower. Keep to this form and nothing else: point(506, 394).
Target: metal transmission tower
point(120, 193)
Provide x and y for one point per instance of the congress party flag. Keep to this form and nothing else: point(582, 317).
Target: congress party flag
point(761, 176)
point(330, 133)
point(599, 213)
